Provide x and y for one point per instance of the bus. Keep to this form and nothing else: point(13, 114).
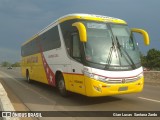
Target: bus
point(89, 54)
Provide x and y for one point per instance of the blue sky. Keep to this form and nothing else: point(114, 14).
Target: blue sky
point(21, 19)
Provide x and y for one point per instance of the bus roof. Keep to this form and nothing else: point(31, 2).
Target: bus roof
point(92, 17)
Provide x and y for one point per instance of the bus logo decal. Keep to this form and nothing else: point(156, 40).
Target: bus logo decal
point(49, 73)
point(123, 80)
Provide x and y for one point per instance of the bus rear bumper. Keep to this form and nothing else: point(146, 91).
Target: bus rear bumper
point(96, 88)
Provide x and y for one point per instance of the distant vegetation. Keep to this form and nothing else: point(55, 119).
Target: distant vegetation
point(8, 64)
point(151, 60)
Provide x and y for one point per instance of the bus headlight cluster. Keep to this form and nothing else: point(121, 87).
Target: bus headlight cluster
point(141, 75)
point(96, 77)
point(112, 80)
point(100, 78)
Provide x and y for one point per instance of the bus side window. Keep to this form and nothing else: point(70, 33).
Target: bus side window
point(76, 47)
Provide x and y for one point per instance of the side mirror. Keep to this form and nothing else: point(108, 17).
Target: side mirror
point(82, 31)
point(144, 34)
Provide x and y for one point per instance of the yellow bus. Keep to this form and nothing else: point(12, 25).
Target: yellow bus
point(92, 55)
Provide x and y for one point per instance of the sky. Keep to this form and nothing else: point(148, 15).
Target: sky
point(21, 19)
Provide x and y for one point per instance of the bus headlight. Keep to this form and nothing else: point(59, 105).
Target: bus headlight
point(96, 77)
point(100, 78)
point(141, 75)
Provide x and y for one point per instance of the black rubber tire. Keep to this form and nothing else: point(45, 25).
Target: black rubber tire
point(62, 87)
point(28, 77)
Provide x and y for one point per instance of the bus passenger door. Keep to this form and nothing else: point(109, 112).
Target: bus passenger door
point(77, 66)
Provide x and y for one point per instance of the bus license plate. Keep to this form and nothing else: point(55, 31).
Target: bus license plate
point(123, 88)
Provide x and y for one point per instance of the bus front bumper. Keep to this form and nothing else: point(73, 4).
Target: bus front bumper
point(95, 88)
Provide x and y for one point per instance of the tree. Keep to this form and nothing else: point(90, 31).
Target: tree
point(16, 64)
point(143, 60)
point(153, 59)
point(6, 64)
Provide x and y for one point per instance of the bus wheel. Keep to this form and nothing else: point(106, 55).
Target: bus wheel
point(28, 77)
point(62, 87)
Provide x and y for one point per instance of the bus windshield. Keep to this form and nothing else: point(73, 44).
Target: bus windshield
point(112, 45)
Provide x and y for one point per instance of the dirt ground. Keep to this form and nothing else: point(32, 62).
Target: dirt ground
point(152, 78)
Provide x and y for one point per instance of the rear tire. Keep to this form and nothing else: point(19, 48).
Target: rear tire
point(28, 77)
point(61, 86)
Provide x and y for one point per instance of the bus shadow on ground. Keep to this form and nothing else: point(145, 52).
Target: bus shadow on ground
point(73, 99)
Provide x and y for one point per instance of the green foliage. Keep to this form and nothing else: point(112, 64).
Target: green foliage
point(143, 60)
point(151, 60)
point(16, 64)
point(8, 64)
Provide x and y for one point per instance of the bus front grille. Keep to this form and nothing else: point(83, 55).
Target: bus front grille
point(121, 80)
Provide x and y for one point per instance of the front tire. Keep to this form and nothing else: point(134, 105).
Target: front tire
point(61, 86)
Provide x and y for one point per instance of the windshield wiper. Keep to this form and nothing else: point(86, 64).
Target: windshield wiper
point(121, 48)
point(109, 59)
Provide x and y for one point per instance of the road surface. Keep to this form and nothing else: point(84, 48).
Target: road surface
point(40, 97)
